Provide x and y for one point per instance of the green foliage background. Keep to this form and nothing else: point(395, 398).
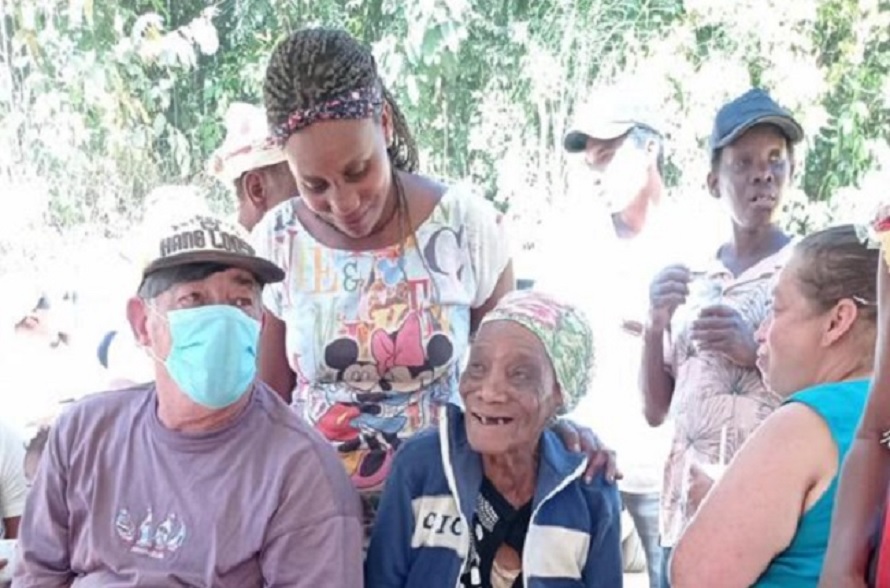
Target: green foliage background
point(102, 101)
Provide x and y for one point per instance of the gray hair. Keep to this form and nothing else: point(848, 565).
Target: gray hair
point(158, 282)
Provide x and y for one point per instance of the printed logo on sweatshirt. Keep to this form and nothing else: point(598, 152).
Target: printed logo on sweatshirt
point(154, 539)
point(438, 523)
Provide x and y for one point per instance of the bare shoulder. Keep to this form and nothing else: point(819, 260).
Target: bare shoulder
point(793, 442)
point(423, 195)
point(794, 421)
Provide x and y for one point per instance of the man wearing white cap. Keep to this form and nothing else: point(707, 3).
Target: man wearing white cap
point(613, 222)
point(252, 164)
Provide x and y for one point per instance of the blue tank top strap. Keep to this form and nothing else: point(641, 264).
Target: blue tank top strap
point(840, 404)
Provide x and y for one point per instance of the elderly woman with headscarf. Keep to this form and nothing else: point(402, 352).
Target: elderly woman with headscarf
point(493, 498)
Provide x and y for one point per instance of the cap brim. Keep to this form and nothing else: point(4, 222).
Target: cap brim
point(575, 140)
point(789, 127)
point(263, 270)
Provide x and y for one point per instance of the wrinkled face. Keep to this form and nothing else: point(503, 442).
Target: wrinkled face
point(508, 388)
point(751, 176)
point(343, 171)
point(796, 339)
point(263, 189)
point(620, 167)
point(234, 287)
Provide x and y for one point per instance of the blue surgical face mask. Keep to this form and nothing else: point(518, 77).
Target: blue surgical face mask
point(213, 353)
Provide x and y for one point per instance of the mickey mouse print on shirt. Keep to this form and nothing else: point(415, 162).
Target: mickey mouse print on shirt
point(376, 337)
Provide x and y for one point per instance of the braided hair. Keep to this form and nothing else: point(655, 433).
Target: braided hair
point(313, 66)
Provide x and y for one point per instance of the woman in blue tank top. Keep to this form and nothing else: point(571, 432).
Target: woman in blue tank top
point(766, 522)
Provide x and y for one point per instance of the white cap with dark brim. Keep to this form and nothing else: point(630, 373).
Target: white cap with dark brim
point(609, 114)
point(575, 140)
point(205, 239)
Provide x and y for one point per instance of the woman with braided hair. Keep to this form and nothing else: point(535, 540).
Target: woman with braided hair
point(388, 272)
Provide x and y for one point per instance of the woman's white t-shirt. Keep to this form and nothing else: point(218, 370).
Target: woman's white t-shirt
point(376, 338)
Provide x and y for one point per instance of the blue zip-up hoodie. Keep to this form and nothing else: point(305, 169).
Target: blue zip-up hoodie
point(420, 538)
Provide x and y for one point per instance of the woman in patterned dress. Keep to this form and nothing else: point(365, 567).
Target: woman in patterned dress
point(699, 364)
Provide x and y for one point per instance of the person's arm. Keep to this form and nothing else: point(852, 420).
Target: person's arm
point(325, 552)
point(604, 568)
point(751, 514)
point(388, 561)
point(580, 439)
point(866, 472)
point(667, 291)
point(13, 486)
point(506, 283)
point(315, 536)
point(274, 368)
point(44, 560)
point(656, 381)
point(491, 257)
point(861, 494)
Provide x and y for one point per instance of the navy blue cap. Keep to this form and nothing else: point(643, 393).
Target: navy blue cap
point(754, 107)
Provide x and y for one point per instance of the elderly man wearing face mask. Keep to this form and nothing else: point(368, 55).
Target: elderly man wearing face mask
point(203, 477)
point(616, 221)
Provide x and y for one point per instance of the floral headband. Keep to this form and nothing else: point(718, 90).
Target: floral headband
point(356, 104)
point(564, 332)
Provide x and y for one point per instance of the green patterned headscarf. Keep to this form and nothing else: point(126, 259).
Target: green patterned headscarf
point(564, 332)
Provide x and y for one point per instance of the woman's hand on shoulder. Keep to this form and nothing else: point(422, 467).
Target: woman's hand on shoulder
point(580, 439)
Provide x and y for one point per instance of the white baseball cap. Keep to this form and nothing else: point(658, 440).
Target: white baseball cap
point(609, 114)
point(204, 239)
point(247, 145)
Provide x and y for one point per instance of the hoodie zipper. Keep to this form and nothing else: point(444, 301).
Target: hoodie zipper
point(452, 486)
point(566, 481)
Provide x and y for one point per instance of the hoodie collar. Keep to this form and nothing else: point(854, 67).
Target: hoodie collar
point(463, 466)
